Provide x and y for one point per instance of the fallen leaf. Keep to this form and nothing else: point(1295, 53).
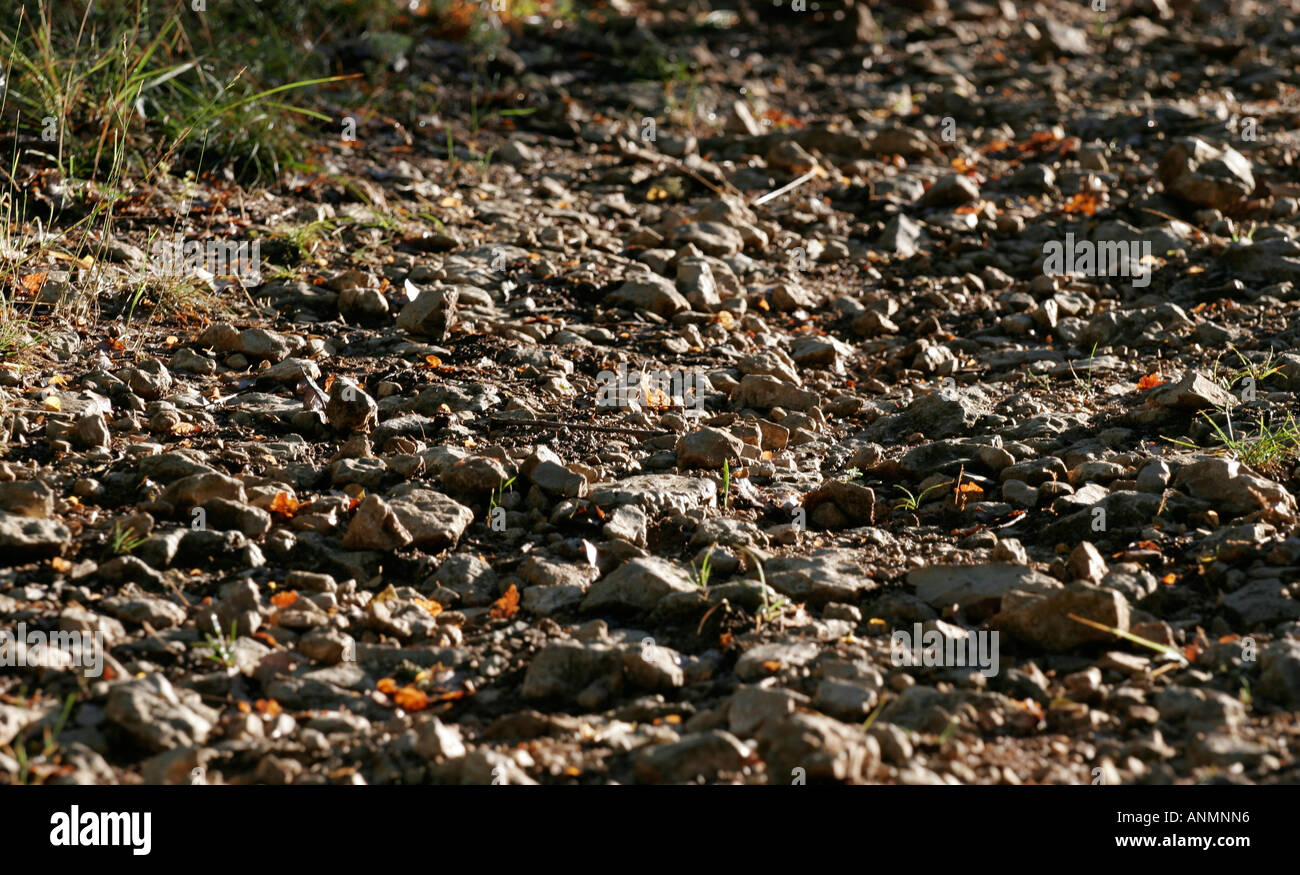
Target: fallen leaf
point(284, 599)
point(33, 282)
point(268, 707)
point(284, 503)
point(1085, 202)
point(411, 698)
point(1150, 381)
point(387, 686)
point(507, 606)
point(434, 608)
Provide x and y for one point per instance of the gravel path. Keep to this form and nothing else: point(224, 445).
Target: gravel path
point(651, 434)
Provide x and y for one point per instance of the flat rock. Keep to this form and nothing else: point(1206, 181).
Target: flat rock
point(971, 585)
point(820, 577)
point(638, 584)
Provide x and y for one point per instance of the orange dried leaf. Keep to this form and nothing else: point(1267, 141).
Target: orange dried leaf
point(411, 698)
point(387, 686)
point(1169, 579)
point(33, 282)
point(284, 503)
point(429, 605)
point(1085, 202)
point(772, 665)
point(269, 707)
point(284, 599)
point(507, 606)
point(1150, 381)
point(963, 166)
point(432, 361)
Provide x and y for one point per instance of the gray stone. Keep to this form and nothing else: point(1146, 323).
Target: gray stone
point(1218, 178)
point(153, 713)
point(820, 577)
point(431, 314)
point(25, 538)
point(650, 293)
point(814, 748)
point(637, 584)
point(971, 586)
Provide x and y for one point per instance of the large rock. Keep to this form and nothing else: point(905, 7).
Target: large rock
point(27, 498)
point(349, 408)
point(970, 586)
point(475, 475)
point(656, 493)
point(649, 293)
point(24, 538)
point(943, 414)
point(431, 314)
point(565, 670)
point(197, 489)
point(698, 755)
point(1224, 483)
point(254, 343)
point(433, 520)
point(375, 526)
point(708, 448)
point(1192, 392)
point(152, 712)
point(952, 190)
point(639, 584)
point(1279, 677)
point(837, 504)
point(763, 392)
point(813, 748)
point(1045, 622)
point(1206, 176)
point(820, 577)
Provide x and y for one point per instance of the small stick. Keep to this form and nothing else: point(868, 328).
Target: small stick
point(816, 171)
point(605, 429)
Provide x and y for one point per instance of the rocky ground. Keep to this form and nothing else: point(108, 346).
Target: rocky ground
point(375, 518)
